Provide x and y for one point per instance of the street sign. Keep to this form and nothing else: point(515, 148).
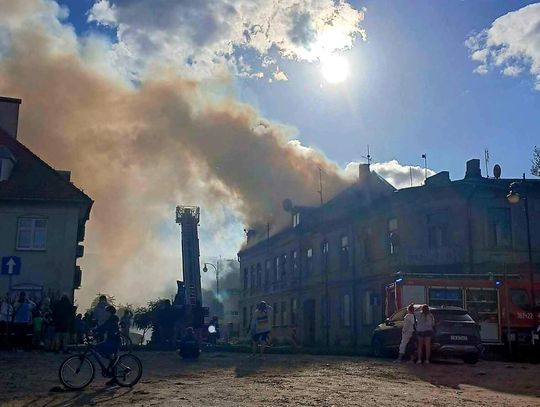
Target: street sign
point(11, 265)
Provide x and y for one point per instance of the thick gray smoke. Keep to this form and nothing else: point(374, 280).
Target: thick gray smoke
point(139, 151)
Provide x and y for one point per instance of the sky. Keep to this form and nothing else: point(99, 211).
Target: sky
point(412, 90)
point(233, 106)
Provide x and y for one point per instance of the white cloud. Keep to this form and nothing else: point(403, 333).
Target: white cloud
point(201, 33)
point(512, 43)
point(280, 75)
point(102, 12)
point(397, 174)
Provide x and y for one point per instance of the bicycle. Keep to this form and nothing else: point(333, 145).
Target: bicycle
point(78, 371)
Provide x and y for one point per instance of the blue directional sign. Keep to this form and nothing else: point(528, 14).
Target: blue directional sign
point(11, 265)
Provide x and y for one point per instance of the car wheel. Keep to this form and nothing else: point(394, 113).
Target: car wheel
point(471, 359)
point(377, 347)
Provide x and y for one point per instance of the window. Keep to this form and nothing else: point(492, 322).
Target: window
point(519, 297)
point(245, 278)
point(276, 268)
point(296, 219)
point(294, 306)
point(368, 255)
point(274, 315)
point(31, 234)
point(344, 254)
point(244, 317)
point(250, 313)
point(438, 229)
point(283, 270)
point(346, 311)
point(294, 257)
point(259, 276)
point(283, 313)
point(309, 260)
point(393, 237)
point(267, 274)
point(252, 282)
point(499, 230)
point(325, 248)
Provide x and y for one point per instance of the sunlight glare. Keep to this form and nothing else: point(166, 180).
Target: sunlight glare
point(334, 69)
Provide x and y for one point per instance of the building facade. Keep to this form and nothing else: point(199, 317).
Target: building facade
point(42, 218)
point(325, 274)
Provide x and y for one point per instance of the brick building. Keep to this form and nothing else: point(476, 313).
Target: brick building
point(325, 274)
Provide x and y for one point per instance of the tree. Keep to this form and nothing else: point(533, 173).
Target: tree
point(535, 167)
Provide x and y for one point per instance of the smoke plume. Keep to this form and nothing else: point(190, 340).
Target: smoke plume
point(138, 151)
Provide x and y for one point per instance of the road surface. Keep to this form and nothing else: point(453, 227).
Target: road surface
point(230, 379)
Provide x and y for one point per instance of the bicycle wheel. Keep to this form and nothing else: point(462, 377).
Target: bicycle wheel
point(128, 370)
point(76, 372)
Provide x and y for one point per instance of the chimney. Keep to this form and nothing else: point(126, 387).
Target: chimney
point(473, 169)
point(363, 172)
point(9, 115)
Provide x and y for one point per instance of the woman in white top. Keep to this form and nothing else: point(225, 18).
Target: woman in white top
point(425, 324)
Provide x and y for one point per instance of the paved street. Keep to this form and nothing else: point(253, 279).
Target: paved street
point(227, 379)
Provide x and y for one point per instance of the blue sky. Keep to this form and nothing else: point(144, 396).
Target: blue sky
point(412, 90)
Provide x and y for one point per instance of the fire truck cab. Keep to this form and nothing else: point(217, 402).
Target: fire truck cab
point(486, 297)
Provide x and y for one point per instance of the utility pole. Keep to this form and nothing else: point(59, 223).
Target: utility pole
point(424, 156)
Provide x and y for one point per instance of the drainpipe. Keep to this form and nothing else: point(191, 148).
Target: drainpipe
point(354, 299)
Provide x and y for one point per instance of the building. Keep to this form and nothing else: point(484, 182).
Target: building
point(42, 218)
point(325, 274)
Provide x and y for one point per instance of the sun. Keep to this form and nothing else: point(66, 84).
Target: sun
point(334, 69)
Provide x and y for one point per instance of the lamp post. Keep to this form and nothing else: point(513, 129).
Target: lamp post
point(518, 191)
point(216, 269)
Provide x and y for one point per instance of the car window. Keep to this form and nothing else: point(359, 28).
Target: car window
point(450, 315)
point(398, 316)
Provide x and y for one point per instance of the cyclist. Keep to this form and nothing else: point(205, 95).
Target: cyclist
point(111, 345)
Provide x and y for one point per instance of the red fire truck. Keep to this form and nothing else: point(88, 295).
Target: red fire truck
point(486, 297)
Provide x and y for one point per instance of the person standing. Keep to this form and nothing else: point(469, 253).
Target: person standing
point(125, 322)
point(63, 317)
point(99, 313)
point(6, 318)
point(407, 332)
point(425, 327)
point(260, 327)
point(23, 321)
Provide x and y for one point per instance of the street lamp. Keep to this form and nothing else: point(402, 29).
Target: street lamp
point(216, 269)
point(518, 191)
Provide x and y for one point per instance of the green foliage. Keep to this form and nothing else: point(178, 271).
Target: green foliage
point(143, 317)
point(535, 167)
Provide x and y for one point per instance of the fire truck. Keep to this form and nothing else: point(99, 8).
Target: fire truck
point(501, 304)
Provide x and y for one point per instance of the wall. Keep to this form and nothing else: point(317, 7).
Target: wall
point(52, 268)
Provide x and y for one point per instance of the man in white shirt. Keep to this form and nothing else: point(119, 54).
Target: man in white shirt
point(408, 331)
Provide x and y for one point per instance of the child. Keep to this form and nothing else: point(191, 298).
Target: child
point(37, 323)
point(111, 332)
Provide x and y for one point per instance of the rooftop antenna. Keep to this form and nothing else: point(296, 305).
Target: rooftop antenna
point(368, 156)
point(486, 159)
point(410, 173)
point(424, 156)
point(320, 191)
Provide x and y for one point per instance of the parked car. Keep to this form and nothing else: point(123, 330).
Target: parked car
point(456, 334)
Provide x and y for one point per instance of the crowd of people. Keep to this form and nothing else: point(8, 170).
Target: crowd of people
point(50, 323)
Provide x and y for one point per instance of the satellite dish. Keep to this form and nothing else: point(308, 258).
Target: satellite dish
point(497, 171)
point(287, 205)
